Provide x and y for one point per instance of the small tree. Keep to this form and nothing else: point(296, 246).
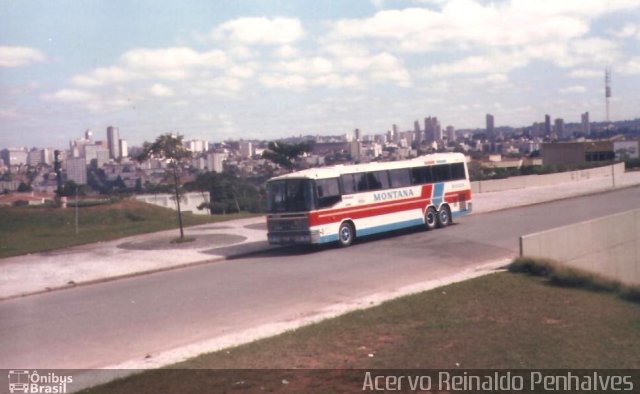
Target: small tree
point(169, 148)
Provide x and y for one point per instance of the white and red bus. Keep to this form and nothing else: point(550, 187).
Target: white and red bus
point(342, 202)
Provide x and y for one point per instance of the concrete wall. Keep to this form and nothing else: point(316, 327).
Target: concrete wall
point(609, 246)
point(521, 182)
point(189, 201)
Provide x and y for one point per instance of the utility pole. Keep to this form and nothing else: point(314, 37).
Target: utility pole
point(76, 209)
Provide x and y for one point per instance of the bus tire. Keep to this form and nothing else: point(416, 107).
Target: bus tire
point(346, 234)
point(444, 216)
point(430, 218)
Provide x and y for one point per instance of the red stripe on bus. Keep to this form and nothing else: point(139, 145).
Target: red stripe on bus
point(463, 195)
point(382, 208)
point(364, 211)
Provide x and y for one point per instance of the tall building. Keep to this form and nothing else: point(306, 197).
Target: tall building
point(357, 136)
point(586, 125)
point(395, 135)
point(113, 142)
point(77, 170)
point(547, 125)
point(124, 148)
point(197, 146)
point(246, 149)
point(451, 133)
point(432, 129)
point(491, 132)
point(417, 133)
point(215, 161)
point(34, 157)
point(559, 128)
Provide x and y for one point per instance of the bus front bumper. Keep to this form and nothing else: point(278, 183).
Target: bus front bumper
point(293, 237)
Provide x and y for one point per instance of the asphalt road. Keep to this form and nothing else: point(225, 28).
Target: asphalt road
point(105, 324)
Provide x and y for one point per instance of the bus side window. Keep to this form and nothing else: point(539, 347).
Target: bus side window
point(457, 171)
point(361, 182)
point(441, 173)
point(328, 191)
point(421, 175)
point(378, 180)
point(400, 178)
point(348, 184)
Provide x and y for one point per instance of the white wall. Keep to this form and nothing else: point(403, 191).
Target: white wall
point(608, 246)
point(189, 201)
point(521, 182)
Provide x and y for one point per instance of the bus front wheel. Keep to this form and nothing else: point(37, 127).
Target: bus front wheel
point(346, 234)
point(430, 218)
point(444, 216)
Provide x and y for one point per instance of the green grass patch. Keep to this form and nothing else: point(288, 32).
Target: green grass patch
point(561, 275)
point(36, 229)
point(182, 240)
point(496, 321)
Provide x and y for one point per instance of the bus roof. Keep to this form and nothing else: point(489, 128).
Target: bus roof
point(337, 170)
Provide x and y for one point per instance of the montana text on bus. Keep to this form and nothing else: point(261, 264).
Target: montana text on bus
point(340, 203)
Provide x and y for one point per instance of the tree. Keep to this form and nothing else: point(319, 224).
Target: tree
point(285, 154)
point(169, 148)
point(23, 187)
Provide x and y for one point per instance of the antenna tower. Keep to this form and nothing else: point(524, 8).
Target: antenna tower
point(607, 89)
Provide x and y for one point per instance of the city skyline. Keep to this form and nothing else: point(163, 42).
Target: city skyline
point(233, 70)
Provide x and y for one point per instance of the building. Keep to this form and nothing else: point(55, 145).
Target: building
point(96, 154)
point(77, 170)
point(547, 125)
point(491, 132)
point(586, 126)
point(246, 149)
point(577, 152)
point(559, 128)
point(355, 150)
point(215, 161)
point(14, 156)
point(124, 148)
point(625, 150)
point(357, 135)
point(113, 142)
point(34, 157)
point(451, 133)
point(197, 146)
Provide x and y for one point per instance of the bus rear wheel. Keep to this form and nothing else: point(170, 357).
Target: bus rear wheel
point(444, 216)
point(430, 218)
point(346, 234)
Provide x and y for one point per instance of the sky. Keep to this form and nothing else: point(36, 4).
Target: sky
point(260, 69)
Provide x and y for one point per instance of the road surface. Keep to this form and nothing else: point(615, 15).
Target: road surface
point(109, 323)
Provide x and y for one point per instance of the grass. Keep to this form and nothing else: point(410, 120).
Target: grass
point(497, 321)
point(562, 275)
point(36, 229)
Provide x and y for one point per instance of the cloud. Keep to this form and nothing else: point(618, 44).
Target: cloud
point(12, 56)
point(628, 30)
point(104, 76)
point(160, 90)
point(70, 96)
point(171, 63)
point(630, 67)
point(586, 73)
point(573, 89)
point(469, 23)
point(260, 31)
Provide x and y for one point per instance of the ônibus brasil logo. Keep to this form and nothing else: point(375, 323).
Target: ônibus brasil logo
point(23, 381)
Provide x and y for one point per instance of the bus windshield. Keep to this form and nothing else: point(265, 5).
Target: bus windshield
point(290, 195)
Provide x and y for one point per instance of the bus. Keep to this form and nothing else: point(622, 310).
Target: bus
point(344, 202)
